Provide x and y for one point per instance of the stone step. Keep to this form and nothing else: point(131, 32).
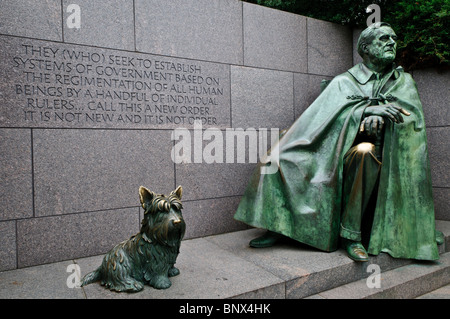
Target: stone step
point(224, 266)
point(405, 282)
point(440, 293)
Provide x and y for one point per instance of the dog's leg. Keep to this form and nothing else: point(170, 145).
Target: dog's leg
point(174, 271)
point(160, 282)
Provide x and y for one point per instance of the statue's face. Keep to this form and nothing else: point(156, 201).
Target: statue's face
point(383, 47)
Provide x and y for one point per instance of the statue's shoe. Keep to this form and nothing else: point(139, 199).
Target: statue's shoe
point(439, 237)
point(356, 251)
point(266, 240)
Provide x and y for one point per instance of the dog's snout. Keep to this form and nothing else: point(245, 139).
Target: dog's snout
point(176, 221)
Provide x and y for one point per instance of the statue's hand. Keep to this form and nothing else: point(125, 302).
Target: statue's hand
point(372, 125)
point(389, 111)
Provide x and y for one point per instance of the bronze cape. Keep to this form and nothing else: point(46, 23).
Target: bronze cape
point(303, 199)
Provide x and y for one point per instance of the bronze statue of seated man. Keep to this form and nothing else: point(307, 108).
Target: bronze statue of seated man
point(353, 168)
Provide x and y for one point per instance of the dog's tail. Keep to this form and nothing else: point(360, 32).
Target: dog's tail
point(91, 277)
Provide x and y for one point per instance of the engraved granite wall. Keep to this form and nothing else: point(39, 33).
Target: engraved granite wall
point(88, 114)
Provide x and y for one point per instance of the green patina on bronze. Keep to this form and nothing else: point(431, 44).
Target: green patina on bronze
point(148, 257)
point(303, 199)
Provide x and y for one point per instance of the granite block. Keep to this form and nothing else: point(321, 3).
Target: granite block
point(204, 181)
point(274, 39)
point(444, 227)
point(88, 170)
point(57, 238)
point(356, 57)
point(8, 256)
point(330, 48)
point(439, 152)
point(108, 24)
point(305, 270)
point(208, 30)
point(306, 90)
point(40, 282)
point(211, 216)
point(440, 293)
point(441, 202)
point(404, 282)
point(302, 94)
point(58, 85)
point(16, 187)
point(32, 19)
point(434, 94)
point(218, 163)
point(206, 272)
point(261, 98)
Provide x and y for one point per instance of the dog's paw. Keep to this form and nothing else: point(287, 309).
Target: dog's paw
point(174, 271)
point(137, 286)
point(160, 282)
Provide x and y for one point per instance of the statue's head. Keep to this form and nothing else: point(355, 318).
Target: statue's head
point(377, 44)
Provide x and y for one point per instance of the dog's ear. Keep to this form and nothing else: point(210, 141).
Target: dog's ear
point(146, 196)
point(178, 192)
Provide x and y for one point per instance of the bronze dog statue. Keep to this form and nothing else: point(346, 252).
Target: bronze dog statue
point(149, 256)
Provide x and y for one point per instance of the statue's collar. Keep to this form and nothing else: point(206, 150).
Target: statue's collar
point(362, 73)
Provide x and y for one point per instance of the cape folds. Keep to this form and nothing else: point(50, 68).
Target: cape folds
point(302, 200)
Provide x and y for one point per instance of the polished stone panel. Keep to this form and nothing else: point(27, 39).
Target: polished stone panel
point(31, 18)
point(211, 216)
point(274, 39)
point(439, 152)
point(57, 85)
point(8, 256)
point(16, 187)
point(434, 94)
point(306, 90)
point(108, 24)
point(56, 238)
point(209, 30)
point(261, 98)
point(88, 170)
point(330, 49)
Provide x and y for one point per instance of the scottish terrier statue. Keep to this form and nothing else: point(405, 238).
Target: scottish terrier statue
point(149, 256)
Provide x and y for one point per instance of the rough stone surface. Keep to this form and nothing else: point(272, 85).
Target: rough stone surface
point(71, 86)
point(108, 24)
point(401, 283)
point(306, 90)
point(8, 256)
point(55, 238)
point(261, 98)
point(329, 48)
point(200, 29)
point(16, 174)
point(441, 202)
point(33, 19)
point(274, 39)
point(224, 266)
point(39, 282)
point(439, 153)
point(356, 57)
point(222, 179)
point(106, 166)
point(434, 94)
point(206, 272)
point(211, 216)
